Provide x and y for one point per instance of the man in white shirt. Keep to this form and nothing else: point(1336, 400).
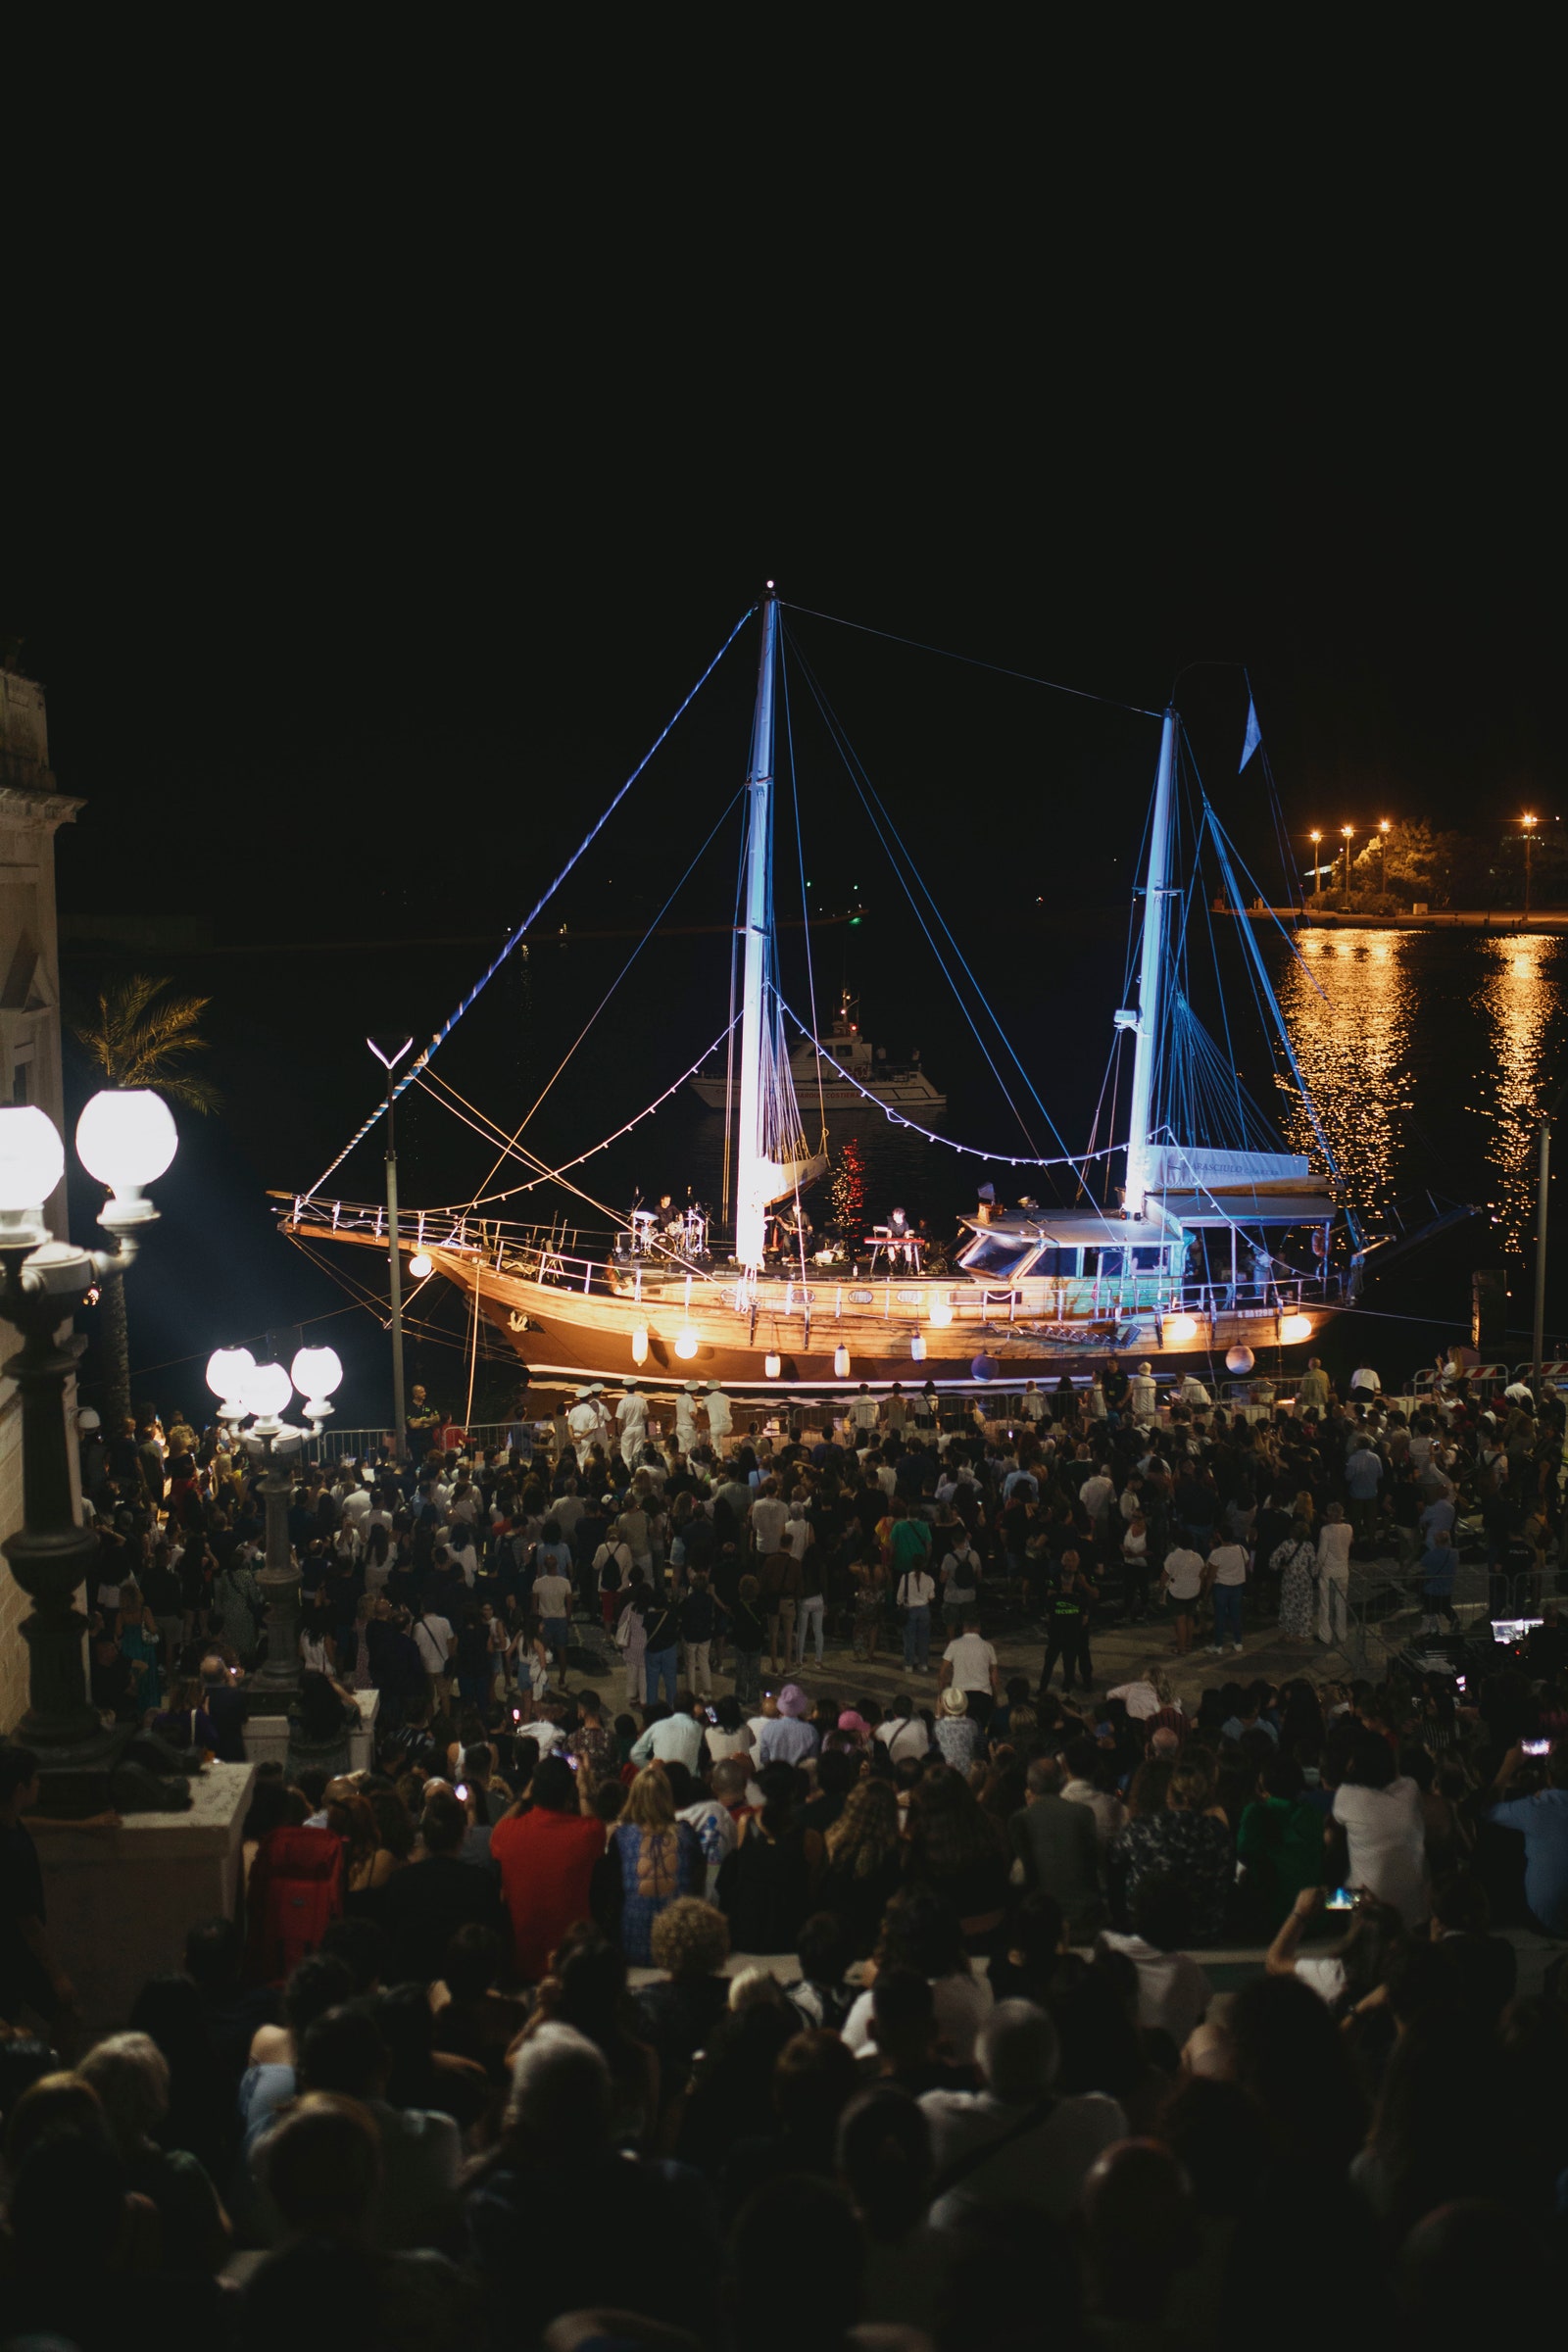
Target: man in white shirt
point(675, 1738)
point(904, 1734)
point(688, 1406)
point(432, 1639)
point(552, 1597)
point(1365, 1384)
point(631, 1419)
point(582, 1421)
point(969, 1664)
point(862, 1414)
point(797, 1526)
point(1228, 1564)
point(1143, 1398)
point(1041, 2165)
point(1333, 1576)
point(719, 1421)
point(769, 1517)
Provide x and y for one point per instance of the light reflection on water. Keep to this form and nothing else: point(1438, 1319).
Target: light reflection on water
point(1353, 1043)
point(1431, 1062)
point(1521, 998)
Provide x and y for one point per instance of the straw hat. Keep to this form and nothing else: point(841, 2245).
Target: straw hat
point(954, 1701)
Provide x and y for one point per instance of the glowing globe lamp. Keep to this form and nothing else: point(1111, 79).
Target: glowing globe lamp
point(316, 1374)
point(1240, 1359)
point(33, 1160)
point(941, 1312)
point(127, 1138)
point(227, 1370)
point(420, 1266)
point(686, 1346)
point(1181, 1331)
point(265, 1391)
point(1293, 1329)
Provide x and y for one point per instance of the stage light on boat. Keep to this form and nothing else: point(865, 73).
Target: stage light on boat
point(841, 1362)
point(639, 1343)
point(917, 1348)
point(1181, 1331)
point(941, 1312)
point(1293, 1329)
point(686, 1346)
point(421, 1265)
point(1240, 1359)
point(772, 1365)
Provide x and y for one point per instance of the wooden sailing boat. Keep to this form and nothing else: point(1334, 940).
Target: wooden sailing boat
point(1203, 1258)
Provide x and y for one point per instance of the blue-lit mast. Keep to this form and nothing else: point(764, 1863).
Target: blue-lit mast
point(755, 1175)
point(1144, 1022)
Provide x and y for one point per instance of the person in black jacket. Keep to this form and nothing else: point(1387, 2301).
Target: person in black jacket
point(698, 1618)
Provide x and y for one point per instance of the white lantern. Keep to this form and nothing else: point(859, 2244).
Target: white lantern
point(33, 1160)
point(772, 1365)
point(1293, 1329)
point(315, 1373)
point(227, 1370)
point(266, 1390)
point(1240, 1359)
point(421, 1266)
point(917, 1348)
point(841, 1362)
point(941, 1312)
point(1181, 1331)
point(126, 1137)
point(686, 1346)
point(639, 1343)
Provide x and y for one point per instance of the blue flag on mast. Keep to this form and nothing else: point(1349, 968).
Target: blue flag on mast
point(1255, 734)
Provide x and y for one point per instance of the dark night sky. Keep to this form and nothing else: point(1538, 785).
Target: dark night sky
point(359, 569)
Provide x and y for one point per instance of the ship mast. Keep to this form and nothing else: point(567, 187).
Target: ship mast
point(755, 1175)
point(1144, 1022)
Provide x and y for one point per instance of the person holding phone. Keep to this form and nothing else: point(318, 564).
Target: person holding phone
point(1542, 1822)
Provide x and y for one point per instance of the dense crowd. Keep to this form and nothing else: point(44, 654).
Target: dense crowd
point(770, 2013)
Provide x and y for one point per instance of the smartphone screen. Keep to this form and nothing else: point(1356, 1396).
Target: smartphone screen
point(1535, 1748)
point(1341, 1899)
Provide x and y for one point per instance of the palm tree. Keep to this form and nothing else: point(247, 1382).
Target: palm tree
point(140, 1038)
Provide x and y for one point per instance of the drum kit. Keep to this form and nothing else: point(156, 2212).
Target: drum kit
point(670, 1231)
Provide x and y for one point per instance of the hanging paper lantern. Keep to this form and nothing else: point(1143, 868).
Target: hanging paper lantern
point(841, 1362)
point(772, 1365)
point(686, 1346)
point(917, 1348)
point(1240, 1359)
point(639, 1343)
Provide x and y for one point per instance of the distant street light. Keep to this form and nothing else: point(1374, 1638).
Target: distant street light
point(261, 1391)
point(1317, 871)
point(1349, 832)
point(1383, 856)
point(1528, 823)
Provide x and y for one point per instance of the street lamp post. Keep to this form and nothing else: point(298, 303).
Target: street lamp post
point(1317, 871)
point(127, 1140)
point(244, 1387)
point(1383, 857)
point(1348, 831)
point(1528, 823)
point(395, 1279)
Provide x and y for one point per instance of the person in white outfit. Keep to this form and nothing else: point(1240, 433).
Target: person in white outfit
point(582, 1421)
point(687, 1409)
point(1143, 1398)
point(631, 1419)
point(1334, 1576)
point(719, 1413)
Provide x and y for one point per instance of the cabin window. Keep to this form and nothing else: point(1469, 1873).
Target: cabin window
point(1148, 1261)
point(997, 1253)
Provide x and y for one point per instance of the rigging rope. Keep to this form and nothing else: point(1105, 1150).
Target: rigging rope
point(1026, 677)
point(587, 840)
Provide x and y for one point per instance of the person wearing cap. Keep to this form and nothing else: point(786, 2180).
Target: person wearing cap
point(719, 1413)
point(631, 1419)
point(687, 1407)
point(582, 1421)
point(788, 1738)
point(957, 1734)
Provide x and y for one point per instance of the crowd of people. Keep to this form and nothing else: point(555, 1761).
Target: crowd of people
point(585, 2011)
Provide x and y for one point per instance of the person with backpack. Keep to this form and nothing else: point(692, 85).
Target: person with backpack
point(660, 1636)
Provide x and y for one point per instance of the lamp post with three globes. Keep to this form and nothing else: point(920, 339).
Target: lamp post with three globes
point(260, 1393)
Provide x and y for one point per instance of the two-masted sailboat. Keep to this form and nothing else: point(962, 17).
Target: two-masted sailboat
point(1214, 1248)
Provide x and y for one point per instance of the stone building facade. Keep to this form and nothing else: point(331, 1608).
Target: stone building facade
point(30, 813)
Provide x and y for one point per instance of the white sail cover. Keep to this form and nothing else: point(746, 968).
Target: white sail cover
point(1182, 1166)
